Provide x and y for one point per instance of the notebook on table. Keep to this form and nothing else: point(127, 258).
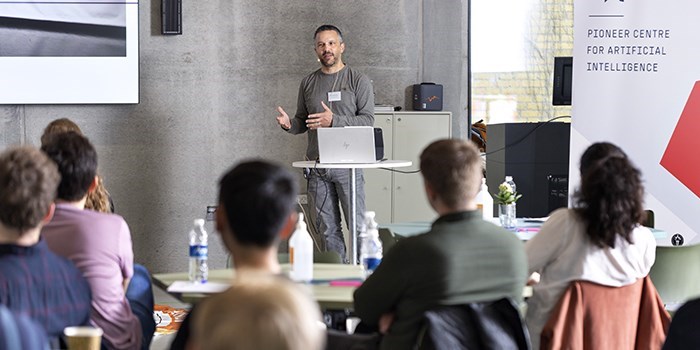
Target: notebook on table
point(348, 145)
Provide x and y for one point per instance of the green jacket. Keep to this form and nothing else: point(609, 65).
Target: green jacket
point(461, 259)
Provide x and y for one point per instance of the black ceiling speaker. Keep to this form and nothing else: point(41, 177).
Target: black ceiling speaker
point(172, 17)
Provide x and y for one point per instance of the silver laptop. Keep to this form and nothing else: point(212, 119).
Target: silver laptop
point(347, 145)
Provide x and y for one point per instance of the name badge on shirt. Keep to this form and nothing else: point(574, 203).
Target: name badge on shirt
point(334, 96)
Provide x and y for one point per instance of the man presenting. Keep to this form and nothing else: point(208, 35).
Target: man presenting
point(333, 96)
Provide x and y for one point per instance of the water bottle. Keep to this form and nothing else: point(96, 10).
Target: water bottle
point(210, 219)
point(371, 249)
point(509, 180)
point(301, 253)
point(199, 270)
point(485, 201)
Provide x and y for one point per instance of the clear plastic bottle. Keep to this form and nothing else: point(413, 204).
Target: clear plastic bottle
point(301, 253)
point(371, 249)
point(199, 251)
point(509, 180)
point(485, 201)
point(210, 219)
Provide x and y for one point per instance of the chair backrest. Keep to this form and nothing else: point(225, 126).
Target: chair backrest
point(676, 273)
point(483, 325)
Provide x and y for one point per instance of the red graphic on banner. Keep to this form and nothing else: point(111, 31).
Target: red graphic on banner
point(682, 155)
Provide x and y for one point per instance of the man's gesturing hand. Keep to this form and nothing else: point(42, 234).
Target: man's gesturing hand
point(283, 118)
point(318, 120)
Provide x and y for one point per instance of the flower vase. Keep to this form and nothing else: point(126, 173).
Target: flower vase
point(506, 214)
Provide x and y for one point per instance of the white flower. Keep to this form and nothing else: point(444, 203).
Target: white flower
point(505, 188)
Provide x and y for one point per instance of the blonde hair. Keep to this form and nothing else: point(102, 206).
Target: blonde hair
point(454, 169)
point(260, 311)
point(97, 200)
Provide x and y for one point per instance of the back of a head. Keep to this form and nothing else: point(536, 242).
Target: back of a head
point(453, 168)
point(59, 126)
point(610, 198)
point(76, 159)
point(258, 196)
point(260, 311)
point(28, 182)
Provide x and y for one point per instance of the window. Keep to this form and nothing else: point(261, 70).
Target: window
point(513, 45)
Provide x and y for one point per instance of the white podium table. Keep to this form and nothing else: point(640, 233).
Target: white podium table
point(353, 168)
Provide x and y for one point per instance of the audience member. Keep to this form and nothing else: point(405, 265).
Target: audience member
point(33, 280)
point(98, 199)
point(461, 259)
point(20, 332)
point(256, 209)
point(100, 246)
point(260, 311)
point(683, 333)
point(600, 240)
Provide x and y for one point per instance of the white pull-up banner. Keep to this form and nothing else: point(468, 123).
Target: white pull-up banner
point(637, 85)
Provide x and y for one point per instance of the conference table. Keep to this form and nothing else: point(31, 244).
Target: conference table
point(332, 286)
point(311, 164)
point(525, 229)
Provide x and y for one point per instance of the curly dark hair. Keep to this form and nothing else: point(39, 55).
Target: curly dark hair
point(610, 199)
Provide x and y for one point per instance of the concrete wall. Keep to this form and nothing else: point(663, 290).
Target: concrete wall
point(208, 99)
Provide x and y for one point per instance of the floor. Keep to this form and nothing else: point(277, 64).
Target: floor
point(162, 342)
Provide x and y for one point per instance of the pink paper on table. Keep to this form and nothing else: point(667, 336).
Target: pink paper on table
point(345, 283)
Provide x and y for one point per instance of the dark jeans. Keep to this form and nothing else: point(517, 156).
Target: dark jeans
point(140, 296)
point(330, 189)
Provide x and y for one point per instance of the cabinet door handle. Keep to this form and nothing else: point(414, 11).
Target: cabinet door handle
point(388, 120)
point(399, 119)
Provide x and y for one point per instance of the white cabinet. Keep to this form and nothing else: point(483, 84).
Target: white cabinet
point(394, 196)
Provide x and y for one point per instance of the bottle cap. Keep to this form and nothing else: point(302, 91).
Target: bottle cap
point(509, 178)
point(199, 222)
point(300, 222)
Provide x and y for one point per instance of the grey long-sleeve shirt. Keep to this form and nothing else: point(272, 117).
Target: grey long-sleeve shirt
point(355, 108)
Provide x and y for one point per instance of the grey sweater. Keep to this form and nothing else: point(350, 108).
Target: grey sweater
point(355, 108)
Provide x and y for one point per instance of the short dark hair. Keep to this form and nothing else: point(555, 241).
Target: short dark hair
point(28, 182)
point(76, 159)
point(326, 27)
point(610, 199)
point(453, 168)
point(257, 196)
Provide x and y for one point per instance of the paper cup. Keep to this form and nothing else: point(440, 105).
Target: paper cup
point(83, 338)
